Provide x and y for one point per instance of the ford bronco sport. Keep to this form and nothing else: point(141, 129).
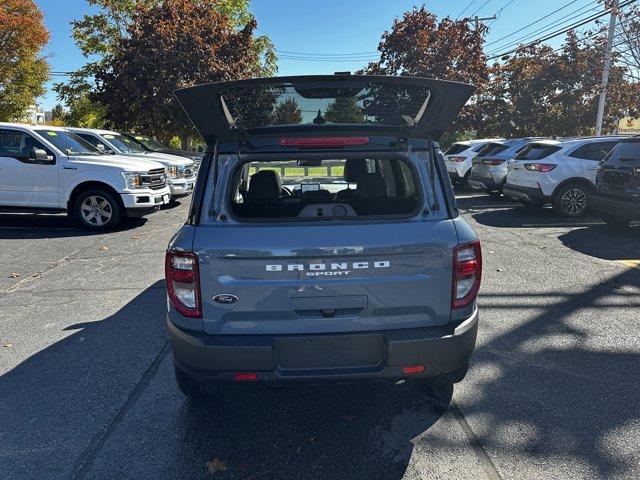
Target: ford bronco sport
point(323, 241)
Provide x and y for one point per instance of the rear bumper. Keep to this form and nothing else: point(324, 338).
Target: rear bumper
point(483, 182)
point(615, 207)
point(382, 354)
point(527, 194)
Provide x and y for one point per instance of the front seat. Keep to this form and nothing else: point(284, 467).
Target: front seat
point(354, 168)
point(262, 196)
point(264, 185)
point(372, 185)
point(29, 144)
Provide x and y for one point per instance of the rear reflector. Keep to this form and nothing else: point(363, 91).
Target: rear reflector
point(245, 377)
point(324, 142)
point(408, 370)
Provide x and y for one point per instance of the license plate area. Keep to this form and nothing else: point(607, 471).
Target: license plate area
point(331, 352)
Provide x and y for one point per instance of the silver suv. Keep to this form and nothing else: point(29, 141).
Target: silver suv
point(323, 241)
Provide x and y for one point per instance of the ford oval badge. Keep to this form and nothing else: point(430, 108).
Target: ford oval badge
point(225, 298)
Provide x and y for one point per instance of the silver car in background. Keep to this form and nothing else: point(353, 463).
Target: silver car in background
point(459, 156)
point(490, 166)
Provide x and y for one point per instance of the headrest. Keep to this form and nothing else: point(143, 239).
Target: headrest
point(264, 185)
point(371, 185)
point(354, 168)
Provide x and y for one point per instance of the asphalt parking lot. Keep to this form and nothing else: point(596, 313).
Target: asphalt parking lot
point(87, 389)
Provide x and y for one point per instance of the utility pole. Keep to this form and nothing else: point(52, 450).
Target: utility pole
point(606, 67)
point(476, 21)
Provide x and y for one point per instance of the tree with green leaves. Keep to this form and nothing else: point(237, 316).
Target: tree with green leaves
point(102, 35)
point(288, 113)
point(23, 71)
point(344, 110)
point(166, 46)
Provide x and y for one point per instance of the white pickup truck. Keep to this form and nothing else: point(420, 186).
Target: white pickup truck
point(48, 169)
point(181, 172)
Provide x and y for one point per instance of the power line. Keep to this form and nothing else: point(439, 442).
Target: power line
point(559, 32)
point(465, 8)
point(529, 24)
point(497, 14)
point(286, 52)
point(481, 7)
point(564, 20)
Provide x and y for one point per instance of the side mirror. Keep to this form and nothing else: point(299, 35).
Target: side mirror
point(38, 155)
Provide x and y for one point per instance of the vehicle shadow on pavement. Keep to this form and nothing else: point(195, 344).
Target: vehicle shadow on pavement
point(354, 431)
point(524, 217)
point(546, 392)
point(56, 401)
point(20, 226)
point(605, 242)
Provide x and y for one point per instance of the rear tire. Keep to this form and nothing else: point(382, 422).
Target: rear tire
point(196, 390)
point(572, 200)
point(616, 222)
point(97, 210)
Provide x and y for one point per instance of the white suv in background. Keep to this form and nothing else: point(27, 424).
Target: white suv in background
point(181, 171)
point(48, 169)
point(560, 171)
point(459, 156)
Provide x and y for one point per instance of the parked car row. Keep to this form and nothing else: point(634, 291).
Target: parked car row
point(572, 174)
point(96, 176)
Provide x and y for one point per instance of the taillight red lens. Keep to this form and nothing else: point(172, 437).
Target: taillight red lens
point(493, 162)
point(457, 159)
point(467, 273)
point(540, 167)
point(321, 142)
point(183, 283)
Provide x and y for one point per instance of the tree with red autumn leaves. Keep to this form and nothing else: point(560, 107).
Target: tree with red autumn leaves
point(420, 45)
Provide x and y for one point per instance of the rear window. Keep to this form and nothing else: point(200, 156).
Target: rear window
point(593, 151)
point(327, 189)
point(536, 151)
point(288, 104)
point(456, 148)
point(492, 149)
point(625, 152)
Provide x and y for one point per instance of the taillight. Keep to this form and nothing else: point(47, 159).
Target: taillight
point(467, 272)
point(321, 142)
point(540, 167)
point(493, 161)
point(183, 283)
point(457, 159)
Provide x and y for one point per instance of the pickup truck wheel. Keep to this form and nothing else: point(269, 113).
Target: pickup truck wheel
point(97, 210)
point(572, 200)
point(195, 390)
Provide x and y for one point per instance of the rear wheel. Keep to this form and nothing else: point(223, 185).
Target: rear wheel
point(195, 390)
point(572, 200)
point(97, 210)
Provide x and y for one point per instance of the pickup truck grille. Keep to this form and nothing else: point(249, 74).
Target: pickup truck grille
point(155, 179)
point(188, 172)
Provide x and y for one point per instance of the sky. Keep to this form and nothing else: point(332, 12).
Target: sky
point(332, 27)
